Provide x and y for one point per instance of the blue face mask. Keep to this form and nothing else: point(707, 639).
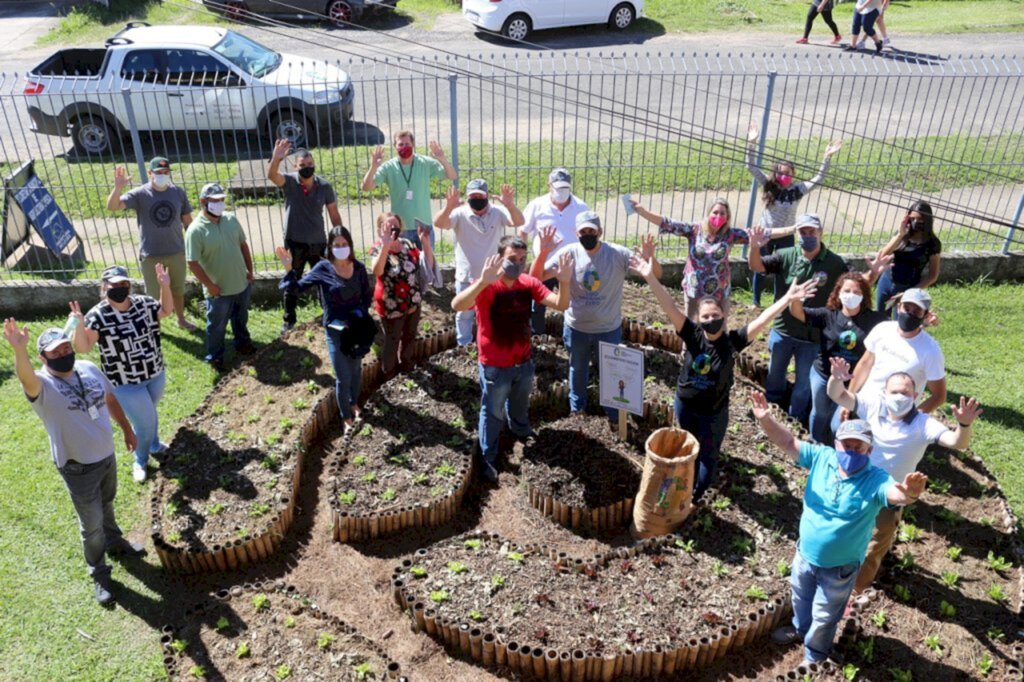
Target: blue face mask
point(808, 243)
point(852, 461)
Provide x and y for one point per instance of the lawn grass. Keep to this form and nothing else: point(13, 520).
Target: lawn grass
point(45, 596)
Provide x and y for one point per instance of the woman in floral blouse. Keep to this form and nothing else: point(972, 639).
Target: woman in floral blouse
point(403, 271)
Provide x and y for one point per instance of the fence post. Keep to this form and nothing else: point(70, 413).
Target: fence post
point(1013, 224)
point(760, 146)
point(134, 129)
point(454, 123)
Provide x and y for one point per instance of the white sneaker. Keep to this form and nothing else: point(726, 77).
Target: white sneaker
point(138, 473)
point(860, 45)
point(886, 42)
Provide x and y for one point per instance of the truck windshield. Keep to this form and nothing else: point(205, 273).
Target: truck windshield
point(247, 54)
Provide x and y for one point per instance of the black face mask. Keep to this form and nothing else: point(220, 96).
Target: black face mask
point(589, 241)
point(395, 232)
point(307, 172)
point(478, 203)
point(118, 294)
point(908, 322)
point(713, 326)
point(63, 364)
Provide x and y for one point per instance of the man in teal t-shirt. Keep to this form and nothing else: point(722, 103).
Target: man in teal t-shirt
point(408, 177)
point(843, 495)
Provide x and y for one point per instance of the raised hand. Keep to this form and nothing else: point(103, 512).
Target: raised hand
point(643, 266)
point(492, 269)
point(930, 319)
point(377, 157)
point(76, 312)
point(759, 405)
point(452, 198)
point(566, 268)
point(18, 338)
point(967, 412)
point(285, 256)
point(648, 244)
point(905, 226)
point(913, 484)
point(121, 177)
point(386, 238)
point(436, 150)
point(878, 264)
point(548, 238)
point(833, 147)
point(423, 231)
point(162, 275)
point(840, 369)
point(753, 133)
point(508, 195)
point(281, 150)
point(759, 236)
point(803, 291)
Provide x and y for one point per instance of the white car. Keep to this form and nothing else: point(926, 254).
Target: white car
point(515, 19)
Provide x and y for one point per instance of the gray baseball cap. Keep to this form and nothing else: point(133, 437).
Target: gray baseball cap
point(51, 339)
point(918, 297)
point(854, 429)
point(212, 191)
point(587, 219)
point(808, 220)
point(115, 274)
point(560, 178)
point(477, 186)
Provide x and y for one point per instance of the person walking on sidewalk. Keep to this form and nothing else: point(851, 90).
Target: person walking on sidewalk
point(127, 328)
point(824, 8)
point(865, 14)
point(164, 214)
point(76, 402)
point(219, 257)
point(306, 195)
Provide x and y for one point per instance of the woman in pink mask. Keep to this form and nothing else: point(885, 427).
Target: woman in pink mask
point(781, 194)
point(707, 263)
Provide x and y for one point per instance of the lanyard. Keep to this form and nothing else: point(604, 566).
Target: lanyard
point(407, 178)
point(80, 392)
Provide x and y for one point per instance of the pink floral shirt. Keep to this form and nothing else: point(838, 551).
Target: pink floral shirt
point(707, 264)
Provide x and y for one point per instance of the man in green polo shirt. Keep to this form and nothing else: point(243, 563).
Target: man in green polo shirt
point(408, 177)
point(219, 257)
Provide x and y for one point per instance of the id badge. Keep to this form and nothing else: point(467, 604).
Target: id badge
point(94, 413)
point(408, 195)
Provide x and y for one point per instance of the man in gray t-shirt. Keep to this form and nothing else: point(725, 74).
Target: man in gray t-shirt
point(478, 226)
point(76, 402)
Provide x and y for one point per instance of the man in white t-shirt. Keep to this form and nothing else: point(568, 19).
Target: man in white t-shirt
point(478, 226)
point(904, 346)
point(902, 433)
point(557, 209)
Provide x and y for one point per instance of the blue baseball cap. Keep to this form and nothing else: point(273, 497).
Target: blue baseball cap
point(477, 186)
point(115, 274)
point(51, 339)
point(560, 178)
point(854, 429)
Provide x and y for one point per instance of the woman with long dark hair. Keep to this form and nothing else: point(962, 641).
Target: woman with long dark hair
point(914, 249)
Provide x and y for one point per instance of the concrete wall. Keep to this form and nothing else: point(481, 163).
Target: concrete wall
point(40, 297)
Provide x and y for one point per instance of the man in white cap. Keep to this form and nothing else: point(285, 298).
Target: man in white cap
point(843, 494)
point(558, 208)
point(478, 226)
point(219, 257)
point(76, 402)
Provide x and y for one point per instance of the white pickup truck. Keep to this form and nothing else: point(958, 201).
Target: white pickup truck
point(184, 78)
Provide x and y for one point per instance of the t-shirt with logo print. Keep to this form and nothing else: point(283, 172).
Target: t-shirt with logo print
point(595, 291)
point(63, 405)
point(160, 227)
point(129, 340)
point(841, 336)
point(503, 320)
point(790, 264)
point(706, 375)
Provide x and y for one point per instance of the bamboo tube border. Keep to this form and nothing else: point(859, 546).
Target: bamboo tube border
point(171, 661)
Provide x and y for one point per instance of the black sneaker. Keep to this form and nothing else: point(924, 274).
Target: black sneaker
point(849, 48)
point(489, 473)
point(247, 349)
point(878, 47)
point(218, 365)
point(124, 547)
point(101, 588)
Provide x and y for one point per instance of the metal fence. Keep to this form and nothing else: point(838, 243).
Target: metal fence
point(669, 129)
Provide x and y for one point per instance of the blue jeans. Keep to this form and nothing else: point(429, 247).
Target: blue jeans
point(348, 375)
point(886, 289)
point(822, 409)
point(139, 403)
point(709, 430)
point(582, 348)
point(865, 20)
point(819, 599)
point(464, 320)
point(221, 310)
point(505, 396)
point(783, 349)
point(760, 278)
point(92, 488)
point(540, 310)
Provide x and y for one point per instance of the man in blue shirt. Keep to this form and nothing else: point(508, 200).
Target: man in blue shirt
point(843, 495)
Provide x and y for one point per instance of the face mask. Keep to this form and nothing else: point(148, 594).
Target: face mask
point(161, 181)
point(915, 225)
point(511, 268)
point(63, 364)
point(713, 326)
point(908, 322)
point(852, 461)
point(850, 299)
point(307, 172)
point(561, 194)
point(478, 203)
point(897, 404)
point(717, 221)
point(215, 207)
point(784, 180)
point(395, 232)
point(118, 294)
point(341, 252)
point(405, 152)
point(589, 241)
point(809, 243)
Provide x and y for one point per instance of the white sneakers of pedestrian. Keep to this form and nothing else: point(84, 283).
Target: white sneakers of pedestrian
point(138, 473)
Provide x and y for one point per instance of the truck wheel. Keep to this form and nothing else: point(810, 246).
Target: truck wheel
point(621, 17)
point(339, 13)
point(293, 126)
point(91, 136)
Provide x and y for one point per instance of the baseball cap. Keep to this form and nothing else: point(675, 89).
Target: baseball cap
point(115, 274)
point(587, 219)
point(477, 187)
point(808, 219)
point(212, 190)
point(560, 178)
point(159, 163)
point(854, 429)
point(918, 297)
point(51, 339)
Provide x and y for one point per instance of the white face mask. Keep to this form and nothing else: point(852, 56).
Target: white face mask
point(161, 181)
point(897, 404)
point(215, 207)
point(850, 299)
point(561, 194)
point(341, 252)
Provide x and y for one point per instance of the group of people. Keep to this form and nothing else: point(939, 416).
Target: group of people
point(867, 14)
point(865, 381)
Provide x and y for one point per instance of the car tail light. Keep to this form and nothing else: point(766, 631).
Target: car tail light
point(33, 88)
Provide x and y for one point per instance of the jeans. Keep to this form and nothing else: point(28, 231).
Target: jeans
point(505, 396)
point(399, 331)
point(819, 599)
point(582, 348)
point(540, 310)
point(865, 20)
point(92, 488)
point(348, 375)
point(464, 320)
point(886, 289)
point(760, 278)
point(139, 403)
point(302, 254)
point(783, 349)
point(709, 430)
point(822, 409)
point(219, 311)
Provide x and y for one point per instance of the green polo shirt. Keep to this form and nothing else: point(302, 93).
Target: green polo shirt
point(412, 180)
point(790, 264)
point(217, 247)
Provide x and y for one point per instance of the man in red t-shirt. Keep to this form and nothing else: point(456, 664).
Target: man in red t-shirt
point(502, 296)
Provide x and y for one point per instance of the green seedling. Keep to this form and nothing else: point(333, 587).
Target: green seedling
point(439, 596)
point(409, 384)
point(218, 409)
point(954, 552)
point(718, 568)
point(240, 391)
point(906, 561)
point(243, 650)
point(197, 671)
point(850, 672)
point(947, 610)
point(270, 463)
point(933, 643)
point(705, 522)
point(272, 439)
point(174, 537)
point(721, 503)
point(179, 646)
point(761, 447)
point(289, 622)
point(995, 634)
point(366, 431)
point(310, 335)
point(951, 578)
point(272, 483)
point(783, 568)
point(286, 423)
point(285, 377)
point(359, 460)
point(283, 672)
point(363, 671)
point(901, 593)
point(389, 495)
point(258, 509)
point(937, 485)
point(997, 563)
point(252, 418)
point(242, 532)
point(300, 404)
point(307, 362)
point(476, 616)
point(312, 386)
point(735, 428)
point(172, 507)
point(472, 544)
point(516, 557)
point(261, 602)
point(269, 399)
point(445, 469)
point(879, 618)
point(347, 497)
point(399, 460)
point(899, 675)
point(743, 545)
point(949, 516)
point(995, 593)
point(686, 545)
point(909, 532)
point(776, 470)
point(325, 640)
point(276, 357)
point(418, 572)
point(985, 664)
point(215, 508)
point(775, 496)
point(369, 477)
point(421, 479)
point(985, 521)
point(437, 491)
point(237, 437)
point(457, 567)
point(756, 592)
point(251, 372)
point(222, 624)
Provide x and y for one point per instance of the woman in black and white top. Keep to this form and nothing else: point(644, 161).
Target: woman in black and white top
point(127, 328)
